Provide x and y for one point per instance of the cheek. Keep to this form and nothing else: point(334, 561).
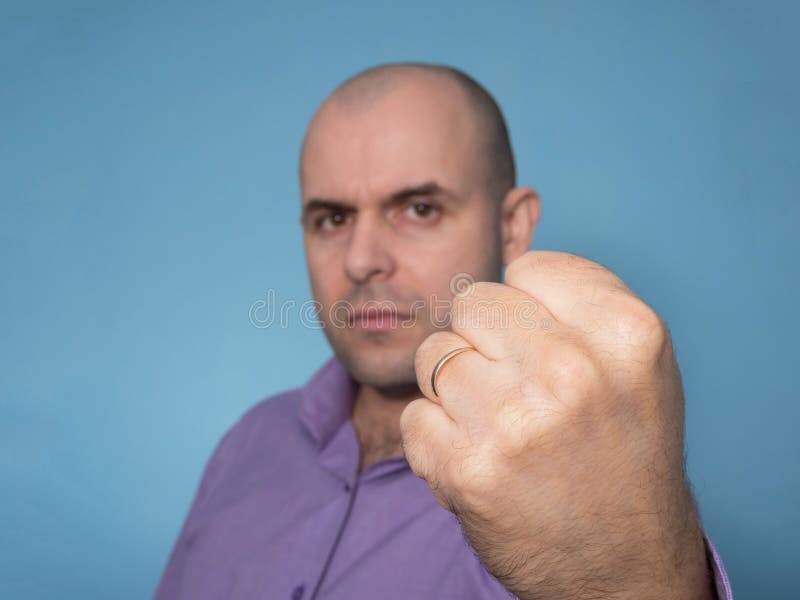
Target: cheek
point(328, 282)
point(327, 287)
point(453, 264)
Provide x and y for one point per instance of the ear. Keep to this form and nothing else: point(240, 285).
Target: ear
point(519, 215)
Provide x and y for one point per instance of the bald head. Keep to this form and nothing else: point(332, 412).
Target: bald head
point(367, 88)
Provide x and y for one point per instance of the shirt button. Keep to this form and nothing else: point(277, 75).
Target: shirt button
point(298, 592)
point(346, 487)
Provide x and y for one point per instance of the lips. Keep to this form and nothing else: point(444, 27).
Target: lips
point(377, 318)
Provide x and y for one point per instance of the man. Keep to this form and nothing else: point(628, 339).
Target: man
point(467, 441)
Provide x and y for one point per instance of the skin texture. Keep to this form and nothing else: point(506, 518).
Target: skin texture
point(558, 441)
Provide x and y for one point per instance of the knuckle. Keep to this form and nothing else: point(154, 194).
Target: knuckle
point(513, 435)
point(474, 478)
point(558, 265)
point(640, 329)
point(573, 375)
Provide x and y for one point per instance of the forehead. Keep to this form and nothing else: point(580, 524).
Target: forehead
point(412, 134)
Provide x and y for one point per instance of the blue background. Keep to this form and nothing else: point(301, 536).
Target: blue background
point(149, 198)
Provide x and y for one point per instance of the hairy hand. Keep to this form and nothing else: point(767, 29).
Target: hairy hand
point(558, 440)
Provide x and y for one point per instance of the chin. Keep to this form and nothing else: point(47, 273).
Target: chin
point(381, 368)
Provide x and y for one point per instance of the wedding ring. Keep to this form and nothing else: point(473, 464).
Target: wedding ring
point(441, 363)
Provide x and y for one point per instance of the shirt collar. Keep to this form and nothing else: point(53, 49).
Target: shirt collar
point(326, 400)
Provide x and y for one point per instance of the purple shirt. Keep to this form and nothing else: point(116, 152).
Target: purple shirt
point(281, 513)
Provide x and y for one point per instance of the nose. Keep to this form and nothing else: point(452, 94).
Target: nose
point(368, 256)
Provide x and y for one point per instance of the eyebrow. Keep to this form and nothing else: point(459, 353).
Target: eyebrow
point(429, 188)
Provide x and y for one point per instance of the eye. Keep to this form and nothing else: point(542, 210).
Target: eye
point(421, 211)
point(332, 220)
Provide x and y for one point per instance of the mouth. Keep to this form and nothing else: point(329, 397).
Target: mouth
point(377, 319)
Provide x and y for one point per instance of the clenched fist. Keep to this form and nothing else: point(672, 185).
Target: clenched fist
point(558, 441)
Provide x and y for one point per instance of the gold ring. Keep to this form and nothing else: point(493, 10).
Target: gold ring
point(441, 362)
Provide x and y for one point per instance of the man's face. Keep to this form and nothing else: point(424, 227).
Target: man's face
point(395, 217)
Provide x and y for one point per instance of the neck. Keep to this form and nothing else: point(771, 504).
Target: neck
point(376, 418)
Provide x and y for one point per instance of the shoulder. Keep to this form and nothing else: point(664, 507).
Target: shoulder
point(270, 423)
point(284, 405)
point(273, 413)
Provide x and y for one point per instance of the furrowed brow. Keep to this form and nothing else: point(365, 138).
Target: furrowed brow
point(429, 188)
point(426, 191)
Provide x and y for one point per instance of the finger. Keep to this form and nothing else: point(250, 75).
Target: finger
point(458, 380)
point(428, 437)
point(578, 292)
point(497, 319)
